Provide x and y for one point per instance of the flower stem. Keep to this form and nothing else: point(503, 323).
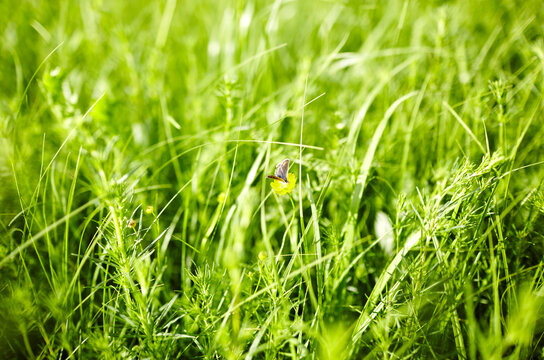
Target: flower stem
point(287, 229)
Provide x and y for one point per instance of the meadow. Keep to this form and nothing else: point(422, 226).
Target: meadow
point(137, 220)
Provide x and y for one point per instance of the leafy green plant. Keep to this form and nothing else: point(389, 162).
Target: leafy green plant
point(136, 219)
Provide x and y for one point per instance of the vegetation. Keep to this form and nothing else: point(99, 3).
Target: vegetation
point(137, 220)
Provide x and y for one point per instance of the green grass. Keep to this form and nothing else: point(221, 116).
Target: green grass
point(136, 220)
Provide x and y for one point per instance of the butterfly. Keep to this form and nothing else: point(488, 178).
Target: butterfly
point(281, 172)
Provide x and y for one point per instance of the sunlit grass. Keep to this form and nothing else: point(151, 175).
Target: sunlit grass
point(137, 220)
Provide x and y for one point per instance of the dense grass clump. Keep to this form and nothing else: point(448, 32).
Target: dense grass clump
point(136, 219)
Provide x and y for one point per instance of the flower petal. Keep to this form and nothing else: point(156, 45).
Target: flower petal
point(284, 188)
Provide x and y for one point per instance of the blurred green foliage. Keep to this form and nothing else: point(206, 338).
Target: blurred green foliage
point(136, 220)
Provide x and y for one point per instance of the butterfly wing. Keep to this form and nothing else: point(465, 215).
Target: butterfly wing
point(275, 178)
point(282, 169)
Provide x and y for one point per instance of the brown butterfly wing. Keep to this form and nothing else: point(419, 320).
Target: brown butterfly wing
point(282, 169)
point(275, 178)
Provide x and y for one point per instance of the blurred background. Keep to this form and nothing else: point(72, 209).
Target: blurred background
point(171, 113)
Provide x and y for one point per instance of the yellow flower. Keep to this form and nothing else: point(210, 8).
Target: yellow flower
point(284, 188)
